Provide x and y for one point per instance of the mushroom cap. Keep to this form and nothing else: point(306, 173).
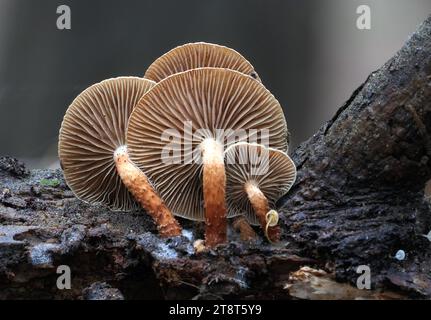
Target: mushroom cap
point(271, 170)
point(198, 55)
point(93, 127)
point(206, 98)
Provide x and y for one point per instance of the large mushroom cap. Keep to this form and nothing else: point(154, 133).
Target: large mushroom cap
point(205, 98)
point(93, 128)
point(198, 55)
point(272, 171)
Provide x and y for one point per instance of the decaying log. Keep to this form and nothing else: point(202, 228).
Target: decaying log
point(43, 226)
point(359, 196)
point(357, 201)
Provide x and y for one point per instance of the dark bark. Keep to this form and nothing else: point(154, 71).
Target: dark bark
point(359, 196)
point(358, 200)
point(42, 226)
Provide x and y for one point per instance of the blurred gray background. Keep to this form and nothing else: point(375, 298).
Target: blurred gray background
point(308, 53)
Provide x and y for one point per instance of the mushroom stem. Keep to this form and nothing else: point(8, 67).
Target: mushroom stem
point(138, 185)
point(214, 186)
point(245, 230)
point(261, 208)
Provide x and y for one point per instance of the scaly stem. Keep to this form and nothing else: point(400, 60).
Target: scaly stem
point(214, 186)
point(139, 186)
point(261, 208)
point(245, 230)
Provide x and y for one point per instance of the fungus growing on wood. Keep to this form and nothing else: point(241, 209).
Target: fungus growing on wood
point(93, 153)
point(178, 132)
point(198, 55)
point(256, 178)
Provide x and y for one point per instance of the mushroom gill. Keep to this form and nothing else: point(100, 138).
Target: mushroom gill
point(256, 178)
point(197, 114)
point(93, 153)
point(198, 55)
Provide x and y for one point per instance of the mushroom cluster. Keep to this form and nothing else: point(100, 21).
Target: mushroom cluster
point(199, 136)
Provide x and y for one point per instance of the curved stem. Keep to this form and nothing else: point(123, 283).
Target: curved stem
point(214, 186)
point(137, 183)
point(261, 208)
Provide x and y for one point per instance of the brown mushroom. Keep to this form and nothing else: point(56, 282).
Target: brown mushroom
point(256, 178)
point(93, 153)
point(198, 55)
point(200, 112)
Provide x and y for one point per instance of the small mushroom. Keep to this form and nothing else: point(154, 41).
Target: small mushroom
point(93, 153)
point(202, 110)
point(198, 55)
point(256, 178)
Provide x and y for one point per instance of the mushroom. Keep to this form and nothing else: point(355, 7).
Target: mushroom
point(198, 55)
point(94, 156)
point(256, 178)
point(191, 117)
